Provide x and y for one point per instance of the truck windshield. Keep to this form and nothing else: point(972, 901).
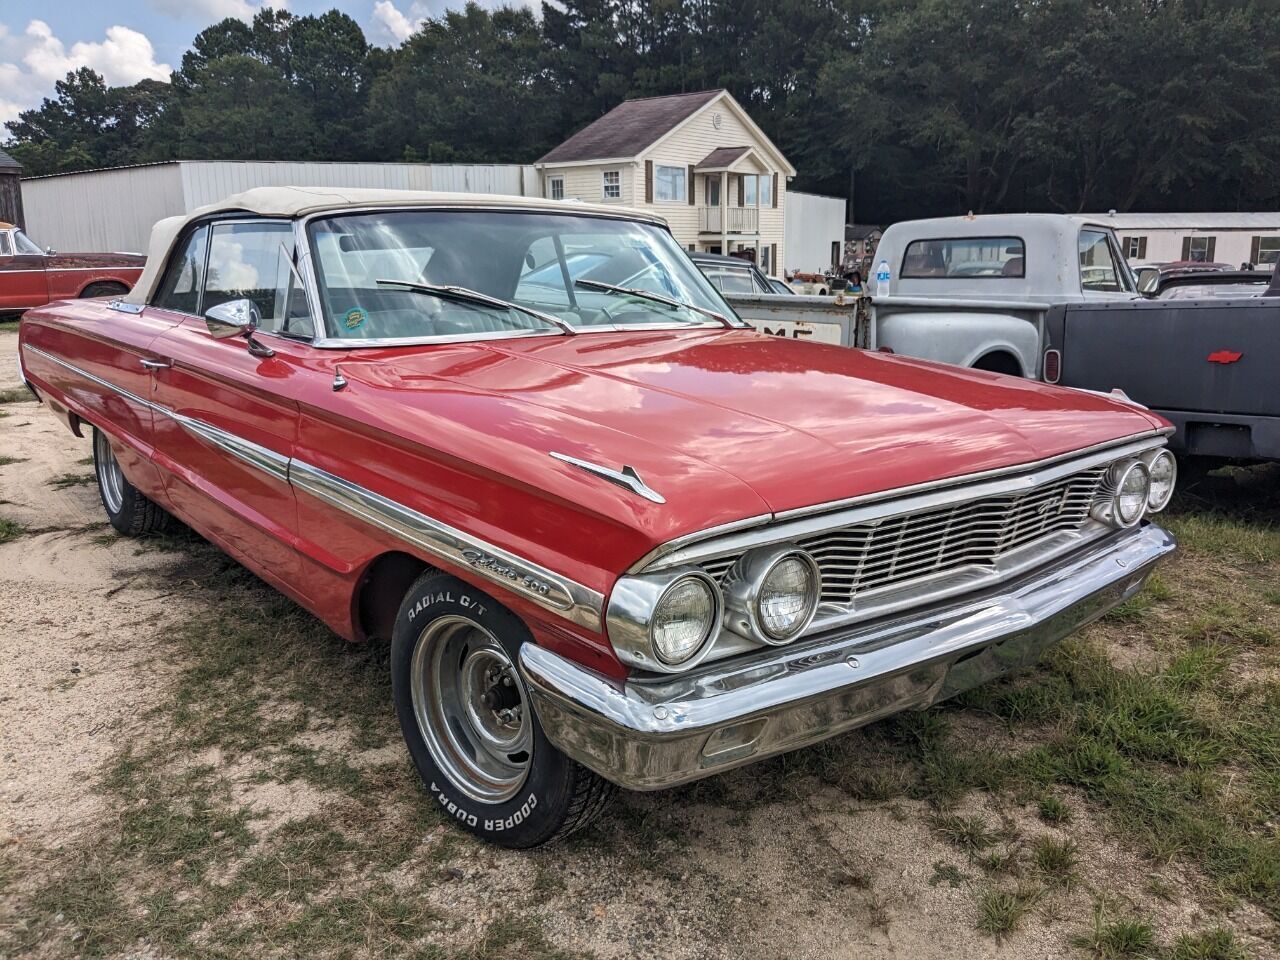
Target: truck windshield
point(534, 260)
point(965, 257)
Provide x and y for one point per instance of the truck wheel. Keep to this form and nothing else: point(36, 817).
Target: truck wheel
point(469, 725)
point(104, 289)
point(128, 510)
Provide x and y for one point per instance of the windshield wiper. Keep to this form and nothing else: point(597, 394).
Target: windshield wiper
point(655, 297)
point(467, 295)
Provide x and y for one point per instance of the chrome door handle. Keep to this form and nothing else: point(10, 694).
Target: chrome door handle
point(157, 364)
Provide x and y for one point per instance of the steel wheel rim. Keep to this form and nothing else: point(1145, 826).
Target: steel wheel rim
point(474, 722)
point(110, 477)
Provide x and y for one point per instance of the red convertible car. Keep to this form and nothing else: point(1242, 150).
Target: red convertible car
point(612, 535)
point(32, 277)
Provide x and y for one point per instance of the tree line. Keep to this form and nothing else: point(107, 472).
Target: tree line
point(913, 107)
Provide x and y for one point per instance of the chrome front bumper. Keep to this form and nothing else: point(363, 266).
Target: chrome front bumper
point(651, 734)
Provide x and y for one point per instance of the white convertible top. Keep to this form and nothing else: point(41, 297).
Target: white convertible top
point(301, 201)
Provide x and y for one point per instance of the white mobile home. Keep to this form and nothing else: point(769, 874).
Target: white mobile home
point(1232, 238)
point(815, 233)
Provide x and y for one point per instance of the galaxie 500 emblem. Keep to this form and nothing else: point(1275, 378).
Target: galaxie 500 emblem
point(478, 558)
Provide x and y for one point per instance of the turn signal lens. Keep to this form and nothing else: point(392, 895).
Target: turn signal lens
point(1164, 474)
point(683, 619)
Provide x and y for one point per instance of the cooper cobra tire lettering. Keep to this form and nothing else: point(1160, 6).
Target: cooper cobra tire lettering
point(556, 796)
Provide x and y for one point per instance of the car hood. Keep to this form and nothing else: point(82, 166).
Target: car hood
point(730, 424)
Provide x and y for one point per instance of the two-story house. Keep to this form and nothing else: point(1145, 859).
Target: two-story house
point(696, 159)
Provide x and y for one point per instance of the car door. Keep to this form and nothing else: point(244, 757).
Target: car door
point(23, 283)
point(228, 419)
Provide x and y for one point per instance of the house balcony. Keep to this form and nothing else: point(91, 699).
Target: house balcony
point(734, 220)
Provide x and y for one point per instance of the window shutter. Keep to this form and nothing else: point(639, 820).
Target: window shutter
point(689, 182)
point(648, 181)
point(1142, 248)
point(742, 190)
point(1213, 243)
point(1253, 250)
point(775, 191)
point(773, 259)
point(1186, 248)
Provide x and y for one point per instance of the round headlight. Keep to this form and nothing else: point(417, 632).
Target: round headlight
point(788, 597)
point(1132, 491)
point(683, 619)
point(1164, 473)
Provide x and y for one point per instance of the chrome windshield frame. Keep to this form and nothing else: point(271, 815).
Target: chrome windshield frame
point(307, 267)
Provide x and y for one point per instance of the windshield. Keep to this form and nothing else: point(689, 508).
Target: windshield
point(536, 260)
point(24, 244)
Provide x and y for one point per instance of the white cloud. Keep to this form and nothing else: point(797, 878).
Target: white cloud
point(30, 64)
point(214, 10)
point(390, 25)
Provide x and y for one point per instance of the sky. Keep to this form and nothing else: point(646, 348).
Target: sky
point(131, 40)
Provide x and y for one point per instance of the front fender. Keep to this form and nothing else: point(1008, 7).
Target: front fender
point(960, 337)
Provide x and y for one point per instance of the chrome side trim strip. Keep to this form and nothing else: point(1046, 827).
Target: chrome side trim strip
point(626, 477)
point(572, 600)
point(563, 596)
point(132, 397)
point(805, 521)
point(246, 451)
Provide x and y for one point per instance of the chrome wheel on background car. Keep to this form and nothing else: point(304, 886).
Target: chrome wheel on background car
point(468, 722)
point(472, 709)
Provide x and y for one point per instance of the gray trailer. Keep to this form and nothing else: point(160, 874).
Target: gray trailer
point(1209, 366)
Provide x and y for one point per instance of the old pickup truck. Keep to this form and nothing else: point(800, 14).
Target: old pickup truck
point(974, 291)
point(612, 535)
point(32, 277)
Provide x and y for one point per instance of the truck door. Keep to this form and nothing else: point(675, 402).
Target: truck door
point(1104, 274)
point(22, 278)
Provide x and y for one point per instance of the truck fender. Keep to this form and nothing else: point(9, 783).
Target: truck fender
point(964, 338)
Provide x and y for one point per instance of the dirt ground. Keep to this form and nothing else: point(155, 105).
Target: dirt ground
point(103, 675)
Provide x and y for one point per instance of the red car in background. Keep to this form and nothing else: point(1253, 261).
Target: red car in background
point(613, 535)
point(31, 277)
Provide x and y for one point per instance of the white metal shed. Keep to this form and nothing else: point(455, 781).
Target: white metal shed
point(114, 209)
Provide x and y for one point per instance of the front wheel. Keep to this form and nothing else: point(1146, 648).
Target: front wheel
point(469, 725)
point(129, 511)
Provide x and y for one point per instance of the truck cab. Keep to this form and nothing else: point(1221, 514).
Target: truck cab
point(974, 290)
point(31, 276)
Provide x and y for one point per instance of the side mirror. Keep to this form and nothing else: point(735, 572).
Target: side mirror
point(235, 318)
point(50, 252)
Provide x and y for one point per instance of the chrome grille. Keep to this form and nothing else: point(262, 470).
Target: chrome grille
point(976, 534)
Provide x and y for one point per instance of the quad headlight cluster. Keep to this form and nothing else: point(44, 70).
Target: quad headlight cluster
point(669, 621)
point(1134, 487)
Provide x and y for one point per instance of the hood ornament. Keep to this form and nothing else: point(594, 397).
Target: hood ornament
point(626, 477)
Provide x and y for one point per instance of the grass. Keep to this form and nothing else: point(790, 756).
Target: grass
point(10, 530)
point(1118, 938)
point(15, 395)
point(64, 480)
point(9, 326)
point(6, 461)
point(1055, 859)
point(1001, 911)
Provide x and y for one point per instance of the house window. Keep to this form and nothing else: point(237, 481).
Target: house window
point(764, 260)
point(750, 190)
point(1199, 249)
point(835, 253)
point(669, 185)
point(1268, 250)
point(555, 188)
point(612, 185)
point(766, 191)
point(1135, 248)
point(713, 191)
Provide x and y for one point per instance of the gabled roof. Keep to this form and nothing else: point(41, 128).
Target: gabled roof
point(8, 161)
point(720, 157)
point(629, 127)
